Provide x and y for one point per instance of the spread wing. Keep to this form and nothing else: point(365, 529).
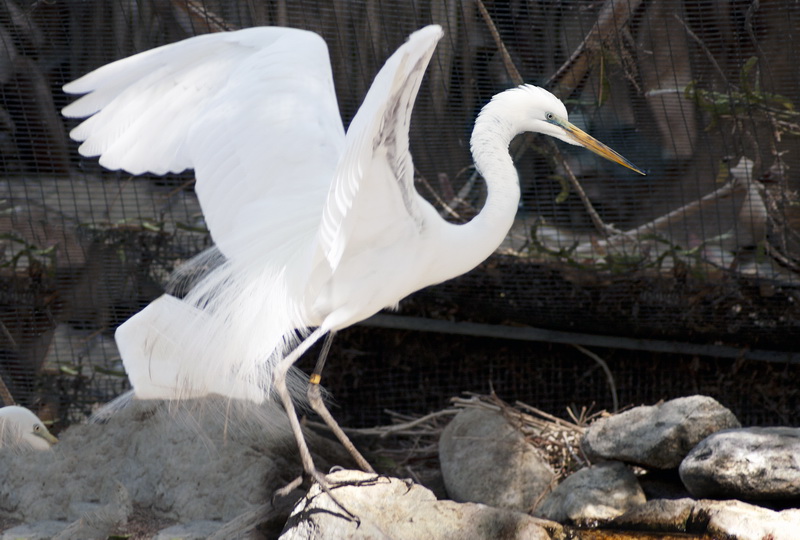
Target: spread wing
point(373, 188)
point(253, 112)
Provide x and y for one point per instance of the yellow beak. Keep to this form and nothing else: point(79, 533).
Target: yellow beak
point(590, 143)
point(46, 435)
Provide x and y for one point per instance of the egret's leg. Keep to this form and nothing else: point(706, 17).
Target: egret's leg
point(317, 403)
point(279, 380)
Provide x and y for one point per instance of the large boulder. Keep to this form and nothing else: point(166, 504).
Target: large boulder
point(485, 459)
point(657, 436)
point(752, 464)
point(387, 507)
point(732, 520)
point(175, 464)
point(593, 495)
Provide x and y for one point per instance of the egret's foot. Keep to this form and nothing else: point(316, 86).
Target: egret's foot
point(357, 483)
point(326, 486)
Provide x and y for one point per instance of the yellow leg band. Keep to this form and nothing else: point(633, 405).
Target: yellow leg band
point(315, 378)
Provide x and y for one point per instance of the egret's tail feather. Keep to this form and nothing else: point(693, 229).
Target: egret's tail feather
point(154, 352)
point(224, 338)
point(105, 411)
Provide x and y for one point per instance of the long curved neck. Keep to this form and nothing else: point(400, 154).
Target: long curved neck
point(470, 244)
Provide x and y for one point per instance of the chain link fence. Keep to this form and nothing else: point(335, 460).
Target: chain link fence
point(689, 273)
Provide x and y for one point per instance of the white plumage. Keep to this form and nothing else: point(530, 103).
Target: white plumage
point(21, 429)
point(313, 228)
point(255, 114)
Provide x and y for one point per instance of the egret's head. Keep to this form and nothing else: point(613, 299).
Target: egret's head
point(19, 426)
point(545, 113)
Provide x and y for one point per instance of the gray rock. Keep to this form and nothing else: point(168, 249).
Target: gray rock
point(668, 515)
point(194, 530)
point(485, 459)
point(101, 521)
point(741, 521)
point(593, 495)
point(751, 463)
point(733, 520)
point(658, 436)
point(175, 464)
point(399, 509)
point(40, 530)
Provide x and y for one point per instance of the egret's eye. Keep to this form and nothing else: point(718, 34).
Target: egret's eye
point(549, 116)
point(37, 428)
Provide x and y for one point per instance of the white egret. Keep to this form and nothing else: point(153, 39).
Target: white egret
point(315, 229)
point(21, 428)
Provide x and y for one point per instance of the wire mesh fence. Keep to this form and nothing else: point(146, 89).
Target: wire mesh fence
point(703, 250)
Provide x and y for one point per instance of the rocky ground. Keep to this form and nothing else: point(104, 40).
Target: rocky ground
point(149, 467)
point(206, 471)
point(684, 467)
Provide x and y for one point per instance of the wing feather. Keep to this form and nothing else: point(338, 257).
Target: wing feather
point(253, 112)
point(376, 142)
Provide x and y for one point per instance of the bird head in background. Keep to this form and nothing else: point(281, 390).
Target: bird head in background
point(20, 428)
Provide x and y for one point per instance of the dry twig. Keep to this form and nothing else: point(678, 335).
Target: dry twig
point(512, 70)
point(558, 440)
point(414, 441)
point(609, 376)
point(613, 17)
point(600, 29)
